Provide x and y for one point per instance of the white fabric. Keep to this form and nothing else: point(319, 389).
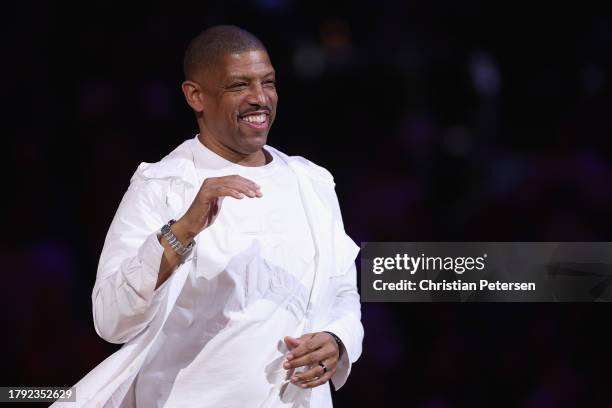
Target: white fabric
point(258, 296)
point(128, 309)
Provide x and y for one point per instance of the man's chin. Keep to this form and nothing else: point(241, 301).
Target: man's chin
point(253, 143)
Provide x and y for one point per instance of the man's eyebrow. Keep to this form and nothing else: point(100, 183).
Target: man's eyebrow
point(248, 78)
point(238, 78)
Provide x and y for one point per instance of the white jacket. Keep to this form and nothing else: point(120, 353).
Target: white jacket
point(127, 308)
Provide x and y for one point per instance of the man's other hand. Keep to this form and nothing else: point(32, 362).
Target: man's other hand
point(317, 351)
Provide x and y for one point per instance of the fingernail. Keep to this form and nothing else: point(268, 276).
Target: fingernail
point(303, 385)
point(286, 365)
point(289, 356)
point(294, 379)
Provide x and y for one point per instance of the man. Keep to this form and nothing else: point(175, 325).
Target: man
point(249, 298)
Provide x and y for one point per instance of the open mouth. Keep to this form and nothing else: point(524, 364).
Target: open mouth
point(256, 120)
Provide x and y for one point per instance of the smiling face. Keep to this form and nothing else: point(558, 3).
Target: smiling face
point(235, 101)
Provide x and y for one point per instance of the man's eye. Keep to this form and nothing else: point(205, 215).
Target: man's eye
point(270, 83)
point(238, 85)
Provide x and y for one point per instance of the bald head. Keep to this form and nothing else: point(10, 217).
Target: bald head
point(211, 45)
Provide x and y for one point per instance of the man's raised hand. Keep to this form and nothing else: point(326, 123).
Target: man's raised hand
point(201, 214)
point(206, 206)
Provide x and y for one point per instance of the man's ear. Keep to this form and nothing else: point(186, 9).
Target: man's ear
point(193, 95)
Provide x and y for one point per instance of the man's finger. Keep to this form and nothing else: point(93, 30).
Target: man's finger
point(241, 188)
point(213, 185)
point(238, 181)
point(228, 192)
point(292, 342)
point(326, 352)
point(308, 359)
point(319, 381)
point(239, 192)
point(308, 345)
point(236, 177)
point(249, 188)
point(308, 375)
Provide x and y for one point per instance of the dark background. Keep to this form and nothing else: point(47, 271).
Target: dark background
point(441, 121)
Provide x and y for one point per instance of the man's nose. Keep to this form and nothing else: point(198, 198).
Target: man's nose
point(257, 96)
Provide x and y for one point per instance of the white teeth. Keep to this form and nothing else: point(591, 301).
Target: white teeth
point(255, 118)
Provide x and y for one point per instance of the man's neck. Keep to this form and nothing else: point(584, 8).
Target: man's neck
point(259, 158)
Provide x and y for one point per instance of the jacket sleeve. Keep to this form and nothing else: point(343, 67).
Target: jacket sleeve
point(124, 297)
point(346, 324)
point(345, 321)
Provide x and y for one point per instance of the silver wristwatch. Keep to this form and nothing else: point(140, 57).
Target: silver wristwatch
point(180, 249)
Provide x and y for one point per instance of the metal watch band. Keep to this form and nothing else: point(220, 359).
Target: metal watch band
point(178, 247)
point(340, 344)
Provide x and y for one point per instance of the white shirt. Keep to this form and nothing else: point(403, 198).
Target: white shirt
point(223, 342)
